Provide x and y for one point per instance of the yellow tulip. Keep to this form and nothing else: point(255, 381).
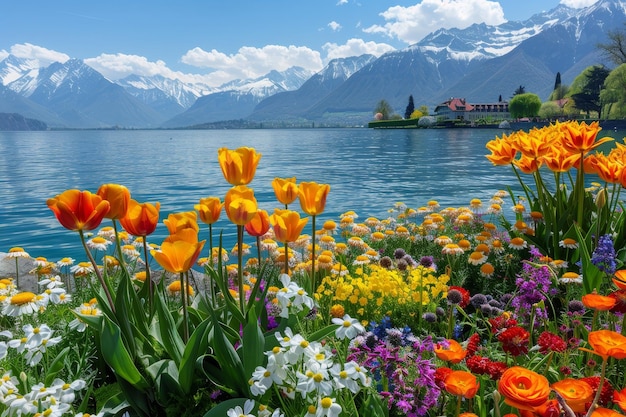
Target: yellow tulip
point(313, 197)
point(184, 220)
point(209, 209)
point(179, 251)
point(239, 165)
point(118, 197)
point(240, 205)
point(287, 225)
point(286, 189)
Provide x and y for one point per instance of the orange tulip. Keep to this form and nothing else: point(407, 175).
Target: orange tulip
point(209, 209)
point(557, 160)
point(79, 210)
point(502, 151)
point(179, 251)
point(580, 138)
point(313, 197)
point(240, 205)
point(598, 302)
point(259, 225)
point(453, 354)
point(184, 220)
point(607, 343)
point(287, 225)
point(118, 196)
point(461, 383)
point(533, 144)
point(239, 165)
point(141, 219)
point(285, 189)
point(575, 393)
point(527, 165)
point(523, 388)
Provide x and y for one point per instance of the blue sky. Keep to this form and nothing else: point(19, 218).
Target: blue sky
point(215, 42)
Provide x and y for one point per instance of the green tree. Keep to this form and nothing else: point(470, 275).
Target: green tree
point(557, 81)
point(585, 90)
point(560, 92)
point(519, 90)
point(384, 109)
point(615, 49)
point(613, 96)
point(550, 110)
point(409, 108)
point(525, 105)
point(423, 109)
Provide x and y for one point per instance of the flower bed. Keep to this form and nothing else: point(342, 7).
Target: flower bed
point(429, 312)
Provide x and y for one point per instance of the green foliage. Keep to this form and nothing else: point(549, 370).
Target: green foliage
point(384, 108)
point(409, 108)
point(613, 96)
point(550, 110)
point(585, 90)
point(525, 105)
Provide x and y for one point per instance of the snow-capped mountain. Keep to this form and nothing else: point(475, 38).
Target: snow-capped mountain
point(237, 99)
point(295, 104)
point(479, 63)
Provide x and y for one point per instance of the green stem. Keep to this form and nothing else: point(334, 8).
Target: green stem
point(286, 259)
point(103, 283)
point(258, 251)
point(239, 268)
point(211, 244)
point(17, 274)
point(183, 298)
point(580, 190)
point(148, 277)
point(592, 407)
point(313, 275)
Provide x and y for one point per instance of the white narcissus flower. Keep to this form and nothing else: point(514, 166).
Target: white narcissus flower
point(239, 412)
point(348, 327)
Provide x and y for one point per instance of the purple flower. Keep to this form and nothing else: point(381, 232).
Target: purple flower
point(603, 256)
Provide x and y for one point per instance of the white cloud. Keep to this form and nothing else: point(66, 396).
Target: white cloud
point(43, 55)
point(355, 47)
point(250, 62)
point(578, 4)
point(410, 24)
point(334, 26)
point(342, 2)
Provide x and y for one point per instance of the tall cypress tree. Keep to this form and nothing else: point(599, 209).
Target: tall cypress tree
point(557, 82)
point(410, 108)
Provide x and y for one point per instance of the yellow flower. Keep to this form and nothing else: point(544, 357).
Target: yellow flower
point(239, 165)
point(313, 197)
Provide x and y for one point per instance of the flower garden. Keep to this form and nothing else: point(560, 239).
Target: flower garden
point(429, 312)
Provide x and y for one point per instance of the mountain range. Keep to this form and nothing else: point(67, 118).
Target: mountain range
point(480, 63)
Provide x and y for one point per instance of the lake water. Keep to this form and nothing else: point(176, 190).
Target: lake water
point(368, 170)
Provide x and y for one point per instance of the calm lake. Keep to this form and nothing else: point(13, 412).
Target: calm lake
point(368, 170)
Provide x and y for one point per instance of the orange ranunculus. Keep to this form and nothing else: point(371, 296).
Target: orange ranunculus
point(605, 412)
point(580, 137)
point(619, 278)
point(454, 353)
point(239, 165)
point(209, 209)
point(183, 220)
point(598, 302)
point(461, 383)
point(141, 219)
point(619, 398)
point(313, 197)
point(179, 251)
point(607, 343)
point(118, 196)
point(240, 205)
point(79, 210)
point(502, 151)
point(575, 393)
point(286, 190)
point(287, 225)
point(523, 389)
point(259, 225)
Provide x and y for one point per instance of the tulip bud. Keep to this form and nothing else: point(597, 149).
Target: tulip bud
point(601, 199)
